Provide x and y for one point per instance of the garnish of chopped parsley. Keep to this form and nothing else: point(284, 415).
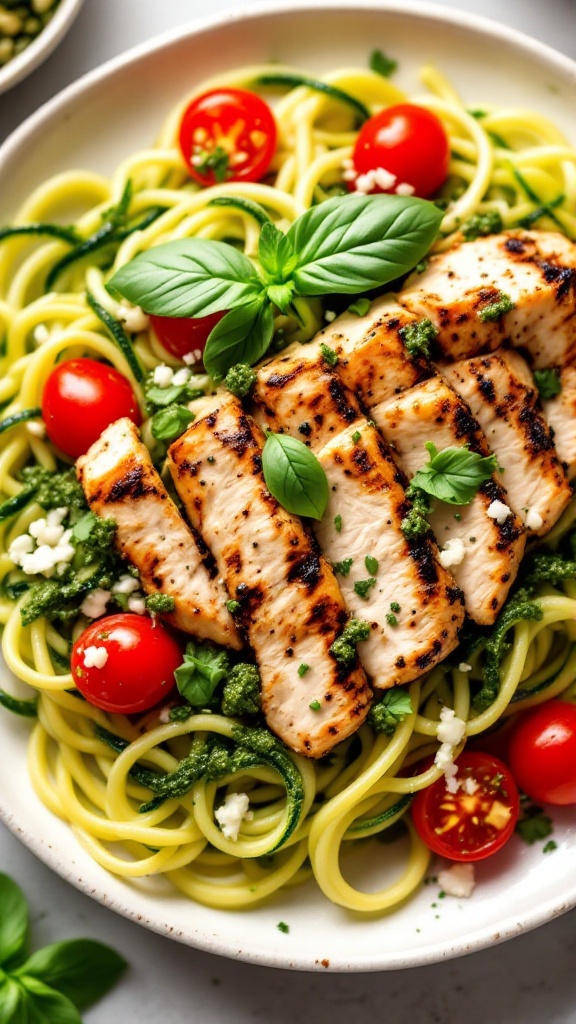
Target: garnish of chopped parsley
point(548, 382)
point(329, 355)
point(362, 587)
point(343, 567)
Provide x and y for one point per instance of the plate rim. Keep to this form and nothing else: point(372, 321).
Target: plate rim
point(420, 11)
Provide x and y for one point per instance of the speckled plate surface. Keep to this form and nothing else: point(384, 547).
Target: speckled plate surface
point(94, 124)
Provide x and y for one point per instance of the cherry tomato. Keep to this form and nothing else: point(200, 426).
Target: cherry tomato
point(408, 141)
point(139, 669)
point(478, 819)
point(81, 398)
point(542, 753)
point(227, 135)
point(180, 335)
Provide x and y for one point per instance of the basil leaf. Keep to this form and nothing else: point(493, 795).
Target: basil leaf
point(162, 397)
point(204, 666)
point(276, 253)
point(548, 382)
point(454, 474)
point(189, 277)
point(242, 336)
point(294, 476)
point(170, 422)
point(43, 1004)
point(393, 708)
point(354, 243)
point(13, 922)
point(80, 969)
point(382, 64)
point(12, 1003)
point(83, 528)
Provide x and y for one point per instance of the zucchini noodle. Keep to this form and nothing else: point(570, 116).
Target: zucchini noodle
point(94, 769)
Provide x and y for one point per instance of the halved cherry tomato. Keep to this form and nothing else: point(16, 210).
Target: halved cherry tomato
point(408, 141)
point(183, 335)
point(478, 819)
point(227, 135)
point(81, 398)
point(542, 753)
point(139, 669)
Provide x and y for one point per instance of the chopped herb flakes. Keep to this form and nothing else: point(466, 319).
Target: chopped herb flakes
point(394, 606)
point(382, 64)
point(371, 564)
point(362, 587)
point(283, 927)
point(356, 436)
point(233, 606)
point(338, 524)
point(315, 705)
point(329, 355)
point(548, 383)
point(343, 567)
point(303, 669)
point(494, 310)
point(391, 619)
point(392, 709)
point(534, 825)
point(549, 846)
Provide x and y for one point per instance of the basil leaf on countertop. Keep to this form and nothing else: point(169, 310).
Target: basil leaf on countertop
point(354, 243)
point(189, 277)
point(83, 970)
point(294, 476)
point(454, 474)
point(13, 923)
point(242, 336)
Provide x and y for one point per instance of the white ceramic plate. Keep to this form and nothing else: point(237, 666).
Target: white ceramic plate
point(94, 124)
point(42, 46)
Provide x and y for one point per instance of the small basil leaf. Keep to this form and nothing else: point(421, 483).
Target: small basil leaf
point(165, 396)
point(454, 474)
point(205, 666)
point(12, 1003)
point(242, 336)
point(294, 476)
point(189, 277)
point(351, 244)
point(43, 1004)
point(80, 969)
point(281, 295)
point(276, 254)
point(83, 528)
point(169, 423)
point(13, 922)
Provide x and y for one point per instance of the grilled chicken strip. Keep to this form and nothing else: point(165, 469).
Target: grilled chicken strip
point(482, 554)
point(500, 391)
point(560, 413)
point(290, 604)
point(462, 289)
point(120, 483)
point(363, 520)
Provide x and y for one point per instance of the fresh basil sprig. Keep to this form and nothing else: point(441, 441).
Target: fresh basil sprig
point(294, 476)
point(57, 981)
point(348, 245)
point(454, 474)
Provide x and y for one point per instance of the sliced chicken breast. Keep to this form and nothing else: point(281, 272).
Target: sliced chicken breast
point(398, 586)
point(120, 483)
point(501, 394)
point(482, 553)
point(518, 287)
point(560, 412)
point(289, 601)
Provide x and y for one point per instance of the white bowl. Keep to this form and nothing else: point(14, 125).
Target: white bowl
point(95, 123)
point(41, 47)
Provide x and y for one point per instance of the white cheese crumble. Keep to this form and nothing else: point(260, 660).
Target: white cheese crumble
point(453, 553)
point(164, 716)
point(137, 604)
point(94, 604)
point(499, 511)
point(404, 189)
point(470, 785)
point(533, 519)
point(458, 880)
point(133, 317)
point(95, 657)
point(163, 376)
point(181, 376)
point(52, 550)
point(464, 667)
point(126, 585)
point(192, 357)
point(232, 813)
point(450, 731)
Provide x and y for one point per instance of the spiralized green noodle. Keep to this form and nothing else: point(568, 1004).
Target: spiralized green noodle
point(510, 161)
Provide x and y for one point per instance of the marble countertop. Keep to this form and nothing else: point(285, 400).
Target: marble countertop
point(527, 981)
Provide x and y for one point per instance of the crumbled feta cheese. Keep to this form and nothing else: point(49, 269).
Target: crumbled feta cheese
point(126, 585)
point(53, 549)
point(20, 547)
point(137, 604)
point(458, 880)
point(404, 189)
point(453, 553)
point(163, 376)
point(95, 657)
point(40, 561)
point(349, 174)
point(133, 317)
point(450, 731)
point(181, 376)
point(533, 519)
point(383, 178)
point(40, 334)
point(499, 511)
point(364, 183)
point(470, 785)
point(37, 428)
point(329, 316)
point(232, 813)
point(348, 163)
point(189, 358)
point(464, 667)
point(164, 716)
point(94, 604)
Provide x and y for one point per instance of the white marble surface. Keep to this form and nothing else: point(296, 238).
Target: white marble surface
point(527, 981)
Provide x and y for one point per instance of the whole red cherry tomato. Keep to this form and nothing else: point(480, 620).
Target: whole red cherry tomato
point(138, 666)
point(478, 819)
point(182, 335)
point(408, 141)
point(81, 398)
point(227, 135)
point(542, 753)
